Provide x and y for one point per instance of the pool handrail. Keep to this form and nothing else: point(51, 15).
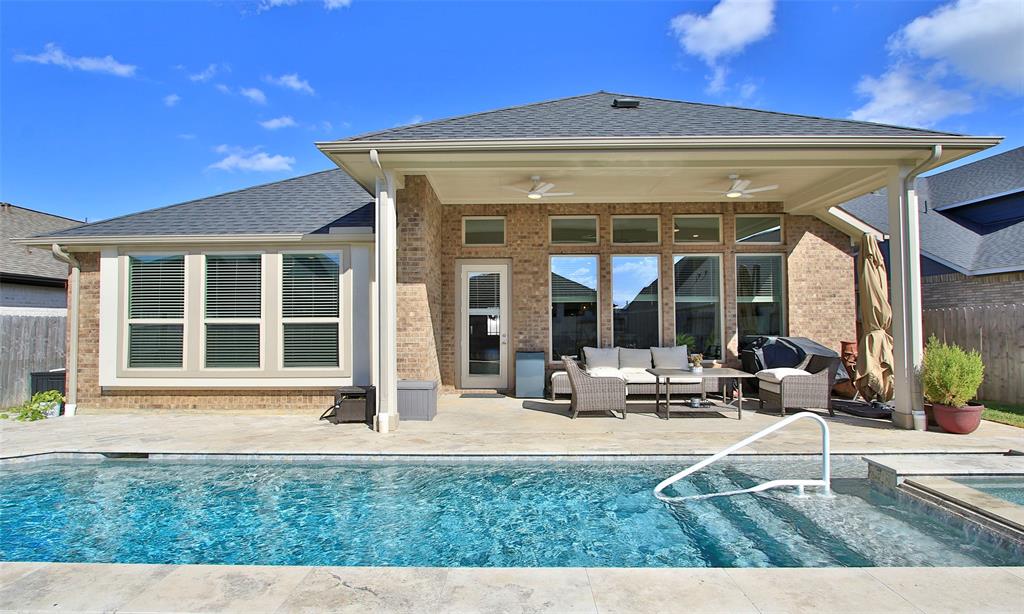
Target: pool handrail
point(826, 466)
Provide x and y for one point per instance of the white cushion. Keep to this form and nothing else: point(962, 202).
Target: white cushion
point(598, 357)
point(670, 358)
point(766, 386)
point(685, 380)
point(634, 375)
point(606, 372)
point(777, 374)
point(634, 359)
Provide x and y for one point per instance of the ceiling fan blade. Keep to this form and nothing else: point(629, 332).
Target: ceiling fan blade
point(764, 188)
point(559, 193)
point(542, 188)
point(515, 189)
point(741, 185)
point(745, 196)
point(719, 192)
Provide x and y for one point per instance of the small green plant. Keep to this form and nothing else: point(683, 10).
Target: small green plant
point(685, 339)
point(35, 408)
point(949, 375)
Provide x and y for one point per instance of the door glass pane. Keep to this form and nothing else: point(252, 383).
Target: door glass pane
point(759, 229)
point(489, 231)
point(484, 323)
point(759, 295)
point(698, 304)
point(635, 230)
point(574, 230)
point(573, 304)
point(692, 229)
point(635, 295)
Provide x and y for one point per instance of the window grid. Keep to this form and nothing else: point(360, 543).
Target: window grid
point(311, 319)
point(233, 311)
point(155, 338)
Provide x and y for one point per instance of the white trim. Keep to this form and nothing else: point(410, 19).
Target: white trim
point(721, 298)
point(597, 229)
point(179, 240)
point(504, 267)
point(504, 230)
point(655, 216)
point(597, 270)
point(206, 320)
point(782, 229)
point(611, 278)
point(111, 326)
point(184, 384)
point(693, 215)
point(783, 290)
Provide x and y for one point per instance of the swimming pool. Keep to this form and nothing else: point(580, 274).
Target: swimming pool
point(454, 514)
point(1007, 488)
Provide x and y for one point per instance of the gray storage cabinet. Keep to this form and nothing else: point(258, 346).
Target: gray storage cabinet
point(417, 399)
point(529, 375)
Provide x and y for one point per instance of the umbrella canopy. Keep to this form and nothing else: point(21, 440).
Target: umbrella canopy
point(874, 362)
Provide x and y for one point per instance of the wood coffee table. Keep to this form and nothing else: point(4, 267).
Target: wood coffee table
point(731, 376)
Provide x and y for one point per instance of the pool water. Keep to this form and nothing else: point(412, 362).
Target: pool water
point(1007, 488)
point(521, 514)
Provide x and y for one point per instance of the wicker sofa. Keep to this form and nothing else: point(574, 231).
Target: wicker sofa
point(631, 366)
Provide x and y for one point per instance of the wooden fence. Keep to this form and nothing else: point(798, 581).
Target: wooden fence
point(997, 332)
point(27, 343)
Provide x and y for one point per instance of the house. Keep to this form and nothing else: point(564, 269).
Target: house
point(972, 231)
point(33, 301)
point(429, 254)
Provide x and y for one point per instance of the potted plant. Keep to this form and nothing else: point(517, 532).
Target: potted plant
point(695, 363)
point(950, 378)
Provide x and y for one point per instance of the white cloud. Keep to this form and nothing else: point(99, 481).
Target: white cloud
point(284, 121)
point(53, 54)
point(206, 74)
point(415, 119)
point(728, 29)
point(187, 136)
point(223, 88)
point(982, 40)
point(330, 5)
point(171, 99)
point(254, 94)
point(292, 82)
point(903, 97)
point(250, 159)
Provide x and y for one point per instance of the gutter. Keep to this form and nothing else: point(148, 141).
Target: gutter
point(361, 233)
point(71, 394)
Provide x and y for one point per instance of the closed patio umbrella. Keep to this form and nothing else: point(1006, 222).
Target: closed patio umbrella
point(874, 361)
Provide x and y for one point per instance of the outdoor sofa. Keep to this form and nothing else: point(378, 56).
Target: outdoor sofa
point(630, 365)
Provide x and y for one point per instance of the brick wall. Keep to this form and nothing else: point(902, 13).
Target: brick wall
point(958, 290)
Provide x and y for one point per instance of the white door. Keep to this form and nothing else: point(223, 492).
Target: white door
point(483, 325)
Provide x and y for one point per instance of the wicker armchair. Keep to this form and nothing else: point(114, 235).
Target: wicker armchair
point(802, 391)
point(591, 394)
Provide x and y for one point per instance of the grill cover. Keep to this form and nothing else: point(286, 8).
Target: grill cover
point(769, 352)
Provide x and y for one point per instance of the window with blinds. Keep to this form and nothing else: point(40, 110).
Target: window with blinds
point(310, 309)
point(156, 311)
point(233, 310)
point(698, 303)
point(759, 299)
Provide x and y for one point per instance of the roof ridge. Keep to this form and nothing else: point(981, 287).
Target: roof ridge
point(63, 217)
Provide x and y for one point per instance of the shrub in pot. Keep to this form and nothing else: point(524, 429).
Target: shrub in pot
point(950, 378)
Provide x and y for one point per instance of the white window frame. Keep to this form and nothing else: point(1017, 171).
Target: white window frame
point(204, 319)
point(597, 229)
point(721, 295)
point(125, 315)
point(782, 229)
point(611, 279)
point(504, 230)
point(551, 335)
point(696, 215)
point(339, 320)
point(783, 290)
point(655, 217)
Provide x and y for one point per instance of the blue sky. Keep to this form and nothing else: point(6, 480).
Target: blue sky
point(113, 107)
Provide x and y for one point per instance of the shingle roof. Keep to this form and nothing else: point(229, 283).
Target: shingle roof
point(996, 174)
point(592, 115)
point(15, 259)
point(301, 205)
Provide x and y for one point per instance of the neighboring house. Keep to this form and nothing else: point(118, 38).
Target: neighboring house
point(972, 231)
point(269, 297)
point(33, 301)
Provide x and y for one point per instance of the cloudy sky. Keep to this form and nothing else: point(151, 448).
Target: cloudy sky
point(108, 108)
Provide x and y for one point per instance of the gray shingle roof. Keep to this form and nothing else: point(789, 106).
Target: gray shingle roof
point(942, 238)
point(301, 205)
point(16, 222)
point(592, 115)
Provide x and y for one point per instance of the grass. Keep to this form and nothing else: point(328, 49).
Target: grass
point(1012, 414)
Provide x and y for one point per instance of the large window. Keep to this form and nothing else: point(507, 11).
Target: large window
point(765, 229)
point(636, 229)
point(573, 304)
point(233, 311)
point(574, 230)
point(156, 311)
point(759, 301)
point(635, 297)
point(310, 309)
point(698, 293)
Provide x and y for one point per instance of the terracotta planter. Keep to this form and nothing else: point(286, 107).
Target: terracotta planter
point(958, 420)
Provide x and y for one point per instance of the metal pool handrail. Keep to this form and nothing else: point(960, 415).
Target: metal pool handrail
point(826, 466)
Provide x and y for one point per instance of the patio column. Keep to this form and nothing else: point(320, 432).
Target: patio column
point(386, 245)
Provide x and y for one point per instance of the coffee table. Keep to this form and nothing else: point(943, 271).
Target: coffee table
point(731, 376)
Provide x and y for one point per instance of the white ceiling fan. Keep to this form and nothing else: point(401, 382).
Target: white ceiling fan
point(740, 188)
point(539, 189)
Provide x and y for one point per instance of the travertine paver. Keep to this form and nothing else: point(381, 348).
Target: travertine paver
point(218, 588)
point(819, 590)
point(656, 591)
point(955, 589)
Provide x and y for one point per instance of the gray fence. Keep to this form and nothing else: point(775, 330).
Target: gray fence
point(997, 332)
point(27, 343)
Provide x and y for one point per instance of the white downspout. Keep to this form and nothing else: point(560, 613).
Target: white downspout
point(71, 353)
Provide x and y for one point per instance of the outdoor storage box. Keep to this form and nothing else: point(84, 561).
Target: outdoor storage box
point(529, 375)
point(417, 399)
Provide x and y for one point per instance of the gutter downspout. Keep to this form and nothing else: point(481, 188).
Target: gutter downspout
point(71, 394)
point(908, 181)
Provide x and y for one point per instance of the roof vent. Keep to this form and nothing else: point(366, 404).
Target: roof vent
point(626, 103)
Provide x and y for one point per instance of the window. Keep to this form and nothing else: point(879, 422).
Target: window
point(483, 231)
point(697, 229)
point(636, 229)
point(635, 294)
point(698, 293)
point(759, 308)
point(574, 230)
point(759, 229)
point(233, 311)
point(573, 305)
point(310, 309)
point(156, 311)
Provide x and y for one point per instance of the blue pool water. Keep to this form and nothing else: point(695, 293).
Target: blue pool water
point(530, 514)
point(1007, 488)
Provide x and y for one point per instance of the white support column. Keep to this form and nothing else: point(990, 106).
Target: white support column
point(905, 272)
point(387, 361)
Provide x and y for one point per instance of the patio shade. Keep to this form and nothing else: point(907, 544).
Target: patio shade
point(874, 361)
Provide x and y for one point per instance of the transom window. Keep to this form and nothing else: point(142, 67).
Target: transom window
point(156, 311)
point(573, 305)
point(636, 229)
point(697, 229)
point(763, 229)
point(759, 299)
point(310, 309)
point(233, 311)
point(483, 230)
point(574, 230)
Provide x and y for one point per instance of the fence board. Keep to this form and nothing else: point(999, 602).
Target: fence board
point(27, 343)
